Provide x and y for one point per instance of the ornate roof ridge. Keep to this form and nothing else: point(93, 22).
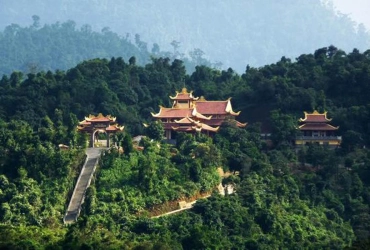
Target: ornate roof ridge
point(214, 101)
point(229, 108)
point(99, 116)
point(315, 113)
point(184, 91)
point(200, 115)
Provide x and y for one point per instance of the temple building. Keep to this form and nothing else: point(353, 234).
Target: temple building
point(100, 124)
point(315, 128)
point(194, 114)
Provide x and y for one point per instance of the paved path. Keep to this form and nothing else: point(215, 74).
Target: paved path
point(83, 182)
point(189, 205)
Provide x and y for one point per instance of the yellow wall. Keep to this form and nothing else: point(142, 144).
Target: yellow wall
point(321, 142)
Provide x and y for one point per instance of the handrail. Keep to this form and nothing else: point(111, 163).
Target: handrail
point(76, 213)
point(319, 137)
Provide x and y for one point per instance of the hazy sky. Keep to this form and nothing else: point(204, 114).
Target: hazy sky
point(358, 10)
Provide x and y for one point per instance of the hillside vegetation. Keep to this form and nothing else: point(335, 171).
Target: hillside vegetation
point(313, 198)
point(233, 32)
point(60, 46)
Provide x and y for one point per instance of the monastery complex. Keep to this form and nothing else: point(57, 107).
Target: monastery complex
point(315, 128)
point(194, 114)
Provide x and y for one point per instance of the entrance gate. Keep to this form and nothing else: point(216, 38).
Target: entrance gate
point(100, 124)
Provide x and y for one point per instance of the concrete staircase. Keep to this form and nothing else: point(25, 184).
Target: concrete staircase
point(83, 182)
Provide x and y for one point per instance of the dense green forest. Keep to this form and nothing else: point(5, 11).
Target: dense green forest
point(313, 198)
point(60, 46)
point(233, 32)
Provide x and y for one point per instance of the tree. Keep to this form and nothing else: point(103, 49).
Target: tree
point(155, 130)
point(127, 144)
point(284, 128)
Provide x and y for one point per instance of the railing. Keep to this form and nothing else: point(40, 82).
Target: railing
point(170, 141)
point(83, 182)
point(326, 138)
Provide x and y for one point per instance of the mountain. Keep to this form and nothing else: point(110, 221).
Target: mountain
point(234, 32)
point(310, 198)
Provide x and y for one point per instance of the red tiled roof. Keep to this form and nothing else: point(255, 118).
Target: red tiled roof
point(317, 126)
point(84, 122)
point(195, 127)
point(316, 118)
point(215, 122)
point(112, 128)
point(211, 107)
point(182, 128)
point(240, 124)
point(182, 96)
point(175, 113)
point(184, 120)
point(206, 127)
point(100, 119)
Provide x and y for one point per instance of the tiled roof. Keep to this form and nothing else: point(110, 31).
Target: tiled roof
point(100, 118)
point(185, 120)
point(207, 127)
point(211, 107)
point(173, 112)
point(315, 117)
point(84, 122)
point(183, 95)
point(114, 128)
point(317, 126)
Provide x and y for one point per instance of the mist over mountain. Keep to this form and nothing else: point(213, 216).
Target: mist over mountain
point(233, 32)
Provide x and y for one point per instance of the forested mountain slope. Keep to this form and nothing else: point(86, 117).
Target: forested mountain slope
point(235, 33)
point(314, 197)
point(60, 46)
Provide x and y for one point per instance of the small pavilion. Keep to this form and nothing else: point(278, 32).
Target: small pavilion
point(193, 114)
point(315, 128)
point(93, 125)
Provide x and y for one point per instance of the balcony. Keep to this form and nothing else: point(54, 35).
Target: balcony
point(319, 138)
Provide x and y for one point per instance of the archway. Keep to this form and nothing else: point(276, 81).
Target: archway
point(100, 129)
point(100, 138)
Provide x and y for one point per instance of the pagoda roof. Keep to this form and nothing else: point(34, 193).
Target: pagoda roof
point(199, 115)
point(83, 128)
point(185, 120)
point(173, 112)
point(240, 124)
point(100, 118)
point(194, 125)
point(315, 117)
point(179, 113)
point(317, 126)
point(216, 107)
point(201, 126)
point(184, 95)
point(84, 122)
point(183, 128)
point(115, 128)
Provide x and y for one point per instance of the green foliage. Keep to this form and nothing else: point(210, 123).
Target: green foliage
point(258, 32)
point(59, 46)
point(315, 198)
point(155, 130)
